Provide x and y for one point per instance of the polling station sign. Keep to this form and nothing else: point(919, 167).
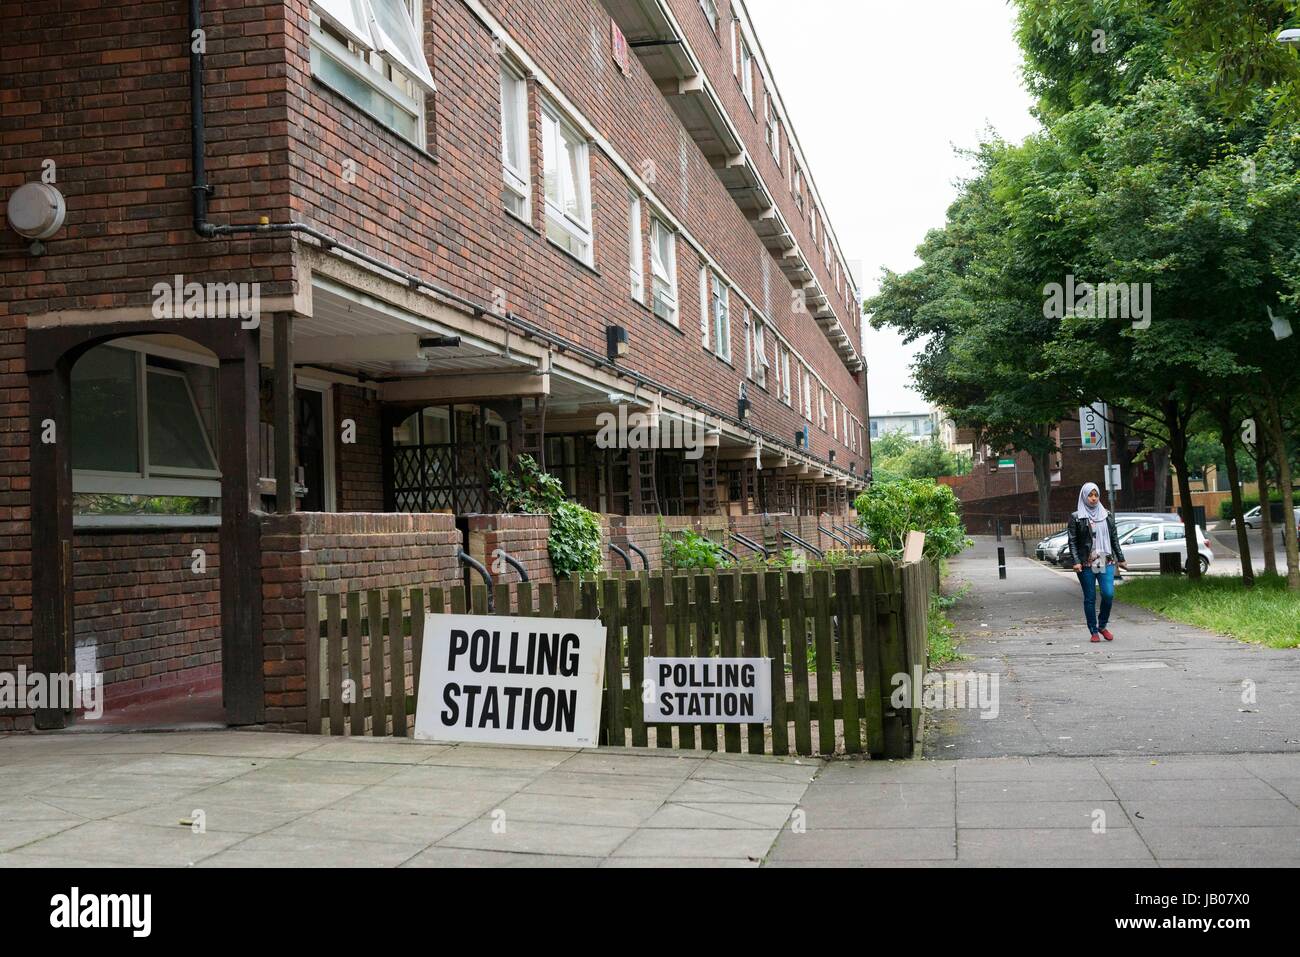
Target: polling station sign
point(507, 680)
point(707, 690)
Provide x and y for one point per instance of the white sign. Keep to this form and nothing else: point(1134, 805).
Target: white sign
point(707, 690)
point(915, 546)
point(1092, 426)
point(1113, 480)
point(507, 680)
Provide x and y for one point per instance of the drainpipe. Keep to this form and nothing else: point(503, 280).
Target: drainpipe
point(198, 143)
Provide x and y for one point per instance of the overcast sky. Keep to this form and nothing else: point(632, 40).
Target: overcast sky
point(880, 91)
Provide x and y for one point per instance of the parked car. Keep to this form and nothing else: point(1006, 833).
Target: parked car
point(1143, 544)
point(1049, 547)
point(1252, 518)
point(1061, 554)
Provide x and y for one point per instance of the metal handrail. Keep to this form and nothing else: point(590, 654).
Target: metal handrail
point(799, 541)
point(645, 559)
point(467, 559)
point(513, 563)
point(834, 537)
point(627, 559)
point(749, 543)
point(723, 548)
point(857, 533)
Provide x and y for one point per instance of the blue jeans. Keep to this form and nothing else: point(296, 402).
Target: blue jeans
point(1089, 580)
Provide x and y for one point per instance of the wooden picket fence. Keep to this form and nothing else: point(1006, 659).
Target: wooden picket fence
point(836, 638)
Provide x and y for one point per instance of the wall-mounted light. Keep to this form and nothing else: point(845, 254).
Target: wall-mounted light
point(615, 342)
point(36, 212)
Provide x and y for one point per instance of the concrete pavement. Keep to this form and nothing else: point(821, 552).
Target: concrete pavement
point(286, 800)
point(1137, 753)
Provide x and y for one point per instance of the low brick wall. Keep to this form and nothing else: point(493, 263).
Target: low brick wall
point(150, 621)
point(523, 537)
point(333, 553)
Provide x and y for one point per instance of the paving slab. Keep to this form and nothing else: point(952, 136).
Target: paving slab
point(490, 833)
point(471, 857)
point(1032, 844)
point(299, 850)
point(735, 843)
point(865, 845)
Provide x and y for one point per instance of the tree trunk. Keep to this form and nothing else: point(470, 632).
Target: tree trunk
point(1160, 465)
point(1228, 435)
point(1265, 512)
point(1178, 452)
point(1043, 479)
point(1282, 455)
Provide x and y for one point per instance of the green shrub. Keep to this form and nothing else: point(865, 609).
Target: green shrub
point(887, 511)
point(692, 550)
point(574, 543)
point(575, 539)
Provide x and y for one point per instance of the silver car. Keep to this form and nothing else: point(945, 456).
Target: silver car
point(1143, 545)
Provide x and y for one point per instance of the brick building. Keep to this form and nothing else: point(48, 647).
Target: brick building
point(421, 243)
point(1002, 484)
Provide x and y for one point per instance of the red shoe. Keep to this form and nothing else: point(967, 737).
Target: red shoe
point(1105, 633)
point(1095, 637)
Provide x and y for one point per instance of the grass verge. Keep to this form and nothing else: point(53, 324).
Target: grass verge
point(1267, 614)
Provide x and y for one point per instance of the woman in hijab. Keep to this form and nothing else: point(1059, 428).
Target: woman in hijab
point(1094, 546)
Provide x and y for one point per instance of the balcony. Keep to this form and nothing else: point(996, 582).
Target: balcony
point(654, 35)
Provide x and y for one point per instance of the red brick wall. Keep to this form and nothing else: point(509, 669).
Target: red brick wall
point(332, 553)
point(101, 88)
point(359, 469)
point(523, 537)
point(446, 220)
point(154, 622)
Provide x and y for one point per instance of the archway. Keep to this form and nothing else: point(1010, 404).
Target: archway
point(53, 351)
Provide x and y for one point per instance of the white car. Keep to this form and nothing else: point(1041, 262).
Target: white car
point(1251, 519)
point(1142, 545)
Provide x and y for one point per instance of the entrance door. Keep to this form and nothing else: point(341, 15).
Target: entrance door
point(309, 420)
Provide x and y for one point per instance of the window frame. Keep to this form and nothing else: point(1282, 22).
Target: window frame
point(715, 17)
point(671, 294)
point(367, 62)
point(517, 181)
point(554, 213)
point(720, 313)
point(635, 250)
point(760, 350)
point(149, 479)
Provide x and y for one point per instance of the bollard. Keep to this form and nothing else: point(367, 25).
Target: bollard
point(1002, 562)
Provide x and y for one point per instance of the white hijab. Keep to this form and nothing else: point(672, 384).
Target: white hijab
point(1097, 515)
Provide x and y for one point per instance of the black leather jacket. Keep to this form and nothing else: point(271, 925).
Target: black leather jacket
point(1079, 532)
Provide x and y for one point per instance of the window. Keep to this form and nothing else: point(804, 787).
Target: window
point(710, 8)
point(704, 306)
point(514, 141)
point(760, 354)
point(798, 188)
point(807, 395)
point(776, 369)
point(835, 418)
point(635, 257)
point(566, 173)
point(812, 223)
point(137, 417)
point(370, 52)
point(743, 64)
point(749, 347)
point(663, 267)
point(785, 377)
point(720, 307)
point(773, 133)
point(821, 398)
